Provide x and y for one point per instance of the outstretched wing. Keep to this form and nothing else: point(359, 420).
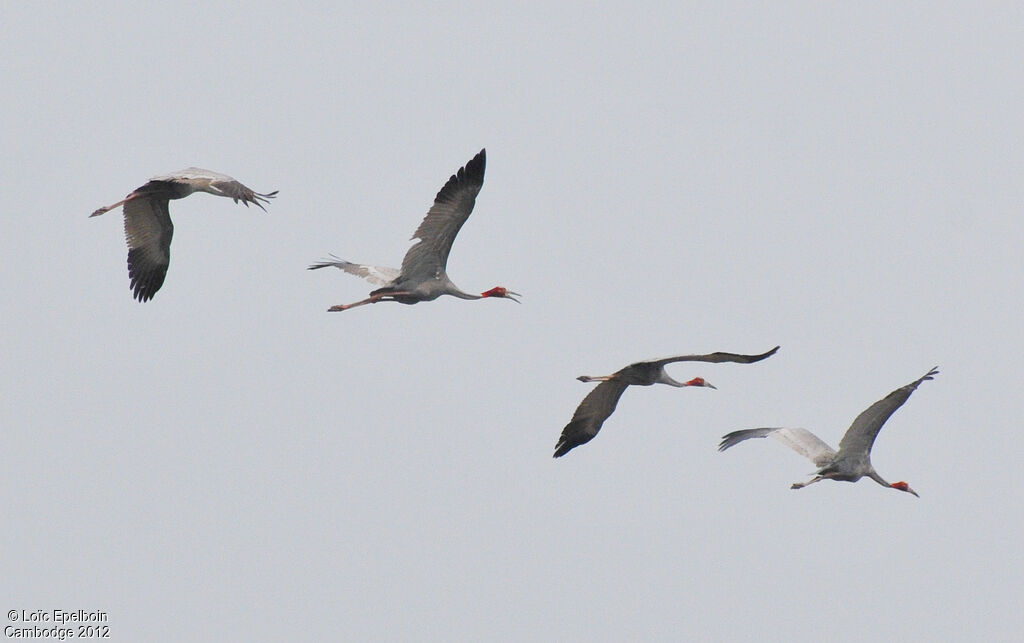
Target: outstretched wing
point(239, 192)
point(860, 437)
point(378, 275)
point(800, 440)
point(193, 174)
point(218, 184)
point(717, 358)
point(436, 233)
point(148, 231)
point(595, 408)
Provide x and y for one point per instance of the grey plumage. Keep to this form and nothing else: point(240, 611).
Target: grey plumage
point(600, 403)
point(147, 220)
point(853, 459)
point(423, 276)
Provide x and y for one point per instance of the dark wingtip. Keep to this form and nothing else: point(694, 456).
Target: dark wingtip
point(564, 446)
point(327, 263)
point(141, 292)
point(758, 358)
point(257, 198)
point(930, 375)
point(470, 174)
point(474, 170)
point(144, 279)
point(731, 439)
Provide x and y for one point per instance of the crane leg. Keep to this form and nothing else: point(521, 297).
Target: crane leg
point(369, 300)
point(801, 485)
point(128, 198)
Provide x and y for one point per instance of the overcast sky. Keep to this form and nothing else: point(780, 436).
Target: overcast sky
point(231, 462)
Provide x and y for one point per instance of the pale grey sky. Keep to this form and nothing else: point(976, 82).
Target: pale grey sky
point(231, 462)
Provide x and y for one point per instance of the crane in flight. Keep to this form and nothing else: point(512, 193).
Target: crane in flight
point(147, 220)
point(853, 460)
point(423, 276)
point(600, 403)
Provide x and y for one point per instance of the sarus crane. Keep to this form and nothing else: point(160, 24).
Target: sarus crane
point(423, 276)
point(600, 403)
point(147, 220)
point(853, 460)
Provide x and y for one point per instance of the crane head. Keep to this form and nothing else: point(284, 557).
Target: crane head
point(903, 486)
point(501, 291)
point(699, 381)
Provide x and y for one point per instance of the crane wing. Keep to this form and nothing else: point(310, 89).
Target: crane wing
point(193, 174)
point(148, 231)
point(217, 184)
point(800, 440)
point(860, 437)
point(595, 408)
point(378, 275)
point(452, 206)
point(718, 357)
point(238, 192)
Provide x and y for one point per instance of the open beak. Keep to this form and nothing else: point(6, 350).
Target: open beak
point(509, 295)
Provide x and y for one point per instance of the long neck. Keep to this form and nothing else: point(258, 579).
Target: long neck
point(877, 478)
point(663, 378)
point(446, 287)
point(455, 292)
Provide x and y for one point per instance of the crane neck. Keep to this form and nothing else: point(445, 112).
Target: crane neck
point(665, 378)
point(455, 292)
point(877, 478)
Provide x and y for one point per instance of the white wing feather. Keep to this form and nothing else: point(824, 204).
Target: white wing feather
point(192, 173)
point(377, 275)
point(806, 444)
point(800, 440)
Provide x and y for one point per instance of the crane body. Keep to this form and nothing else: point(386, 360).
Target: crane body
point(600, 403)
point(423, 276)
point(853, 459)
point(147, 220)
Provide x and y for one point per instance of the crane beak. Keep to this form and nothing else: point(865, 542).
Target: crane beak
point(501, 291)
point(903, 486)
